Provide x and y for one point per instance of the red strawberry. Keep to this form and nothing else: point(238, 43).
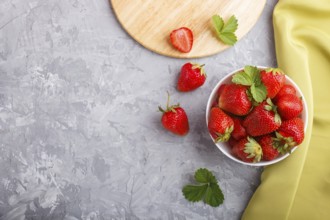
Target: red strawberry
point(273, 79)
point(268, 146)
point(232, 141)
point(191, 77)
point(239, 131)
point(220, 125)
point(248, 150)
point(286, 89)
point(233, 98)
point(182, 39)
point(289, 106)
point(262, 120)
point(290, 134)
point(221, 88)
point(175, 119)
point(215, 103)
point(250, 77)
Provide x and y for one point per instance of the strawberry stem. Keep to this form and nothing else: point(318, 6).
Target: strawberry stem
point(168, 107)
point(168, 101)
point(225, 136)
point(253, 149)
point(271, 107)
point(197, 66)
point(283, 144)
point(161, 109)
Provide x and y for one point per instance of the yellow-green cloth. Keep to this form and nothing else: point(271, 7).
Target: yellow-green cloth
point(298, 188)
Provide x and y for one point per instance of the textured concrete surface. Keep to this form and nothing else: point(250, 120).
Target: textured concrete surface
point(80, 136)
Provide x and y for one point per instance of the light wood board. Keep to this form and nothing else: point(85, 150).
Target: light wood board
point(150, 22)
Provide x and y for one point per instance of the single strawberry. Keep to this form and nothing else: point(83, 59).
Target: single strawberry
point(263, 119)
point(220, 125)
point(221, 88)
point(239, 131)
point(232, 141)
point(273, 79)
point(268, 146)
point(248, 150)
point(175, 119)
point(182, 39)
point(233, 98)
point(290, 134)
point(250, 77)
point(191, 77)
point(214, 103)
point(286, 89)
point(289, 106)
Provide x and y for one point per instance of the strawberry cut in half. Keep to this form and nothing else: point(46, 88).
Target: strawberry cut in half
point(182, 39)
point(191, 77)
point(220, 125)
point(174, 119)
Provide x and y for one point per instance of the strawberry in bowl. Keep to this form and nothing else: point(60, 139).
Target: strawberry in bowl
point(268, 111)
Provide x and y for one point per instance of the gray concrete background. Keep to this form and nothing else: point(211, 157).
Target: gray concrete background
point(80, 135)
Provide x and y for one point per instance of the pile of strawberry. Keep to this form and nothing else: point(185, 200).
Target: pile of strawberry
point(258, 114)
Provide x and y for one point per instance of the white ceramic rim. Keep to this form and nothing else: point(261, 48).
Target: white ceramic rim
point(224, 147)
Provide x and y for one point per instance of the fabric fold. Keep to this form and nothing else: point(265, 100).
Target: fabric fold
point(299, 186)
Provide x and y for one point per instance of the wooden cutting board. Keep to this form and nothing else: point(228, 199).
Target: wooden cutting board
point(150, 22)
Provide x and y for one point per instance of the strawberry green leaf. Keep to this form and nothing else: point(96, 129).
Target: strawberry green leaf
point(213, 196)
point(161, 109)
point(277, 118)
point(222, 137)
point(225, 31)
point(269, 102)
point(231, 25)
point(194, 193)
point(242, 78)
point(254, 73)
point(202, 175)
point(208, 189)
point(218, 23)
point(228, 38)
point(268, 107)
point(259, 93)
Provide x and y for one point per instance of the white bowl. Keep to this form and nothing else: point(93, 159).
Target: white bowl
point(224, 146)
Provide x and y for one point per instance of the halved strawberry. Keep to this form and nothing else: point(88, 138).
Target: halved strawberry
point(182, 39)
